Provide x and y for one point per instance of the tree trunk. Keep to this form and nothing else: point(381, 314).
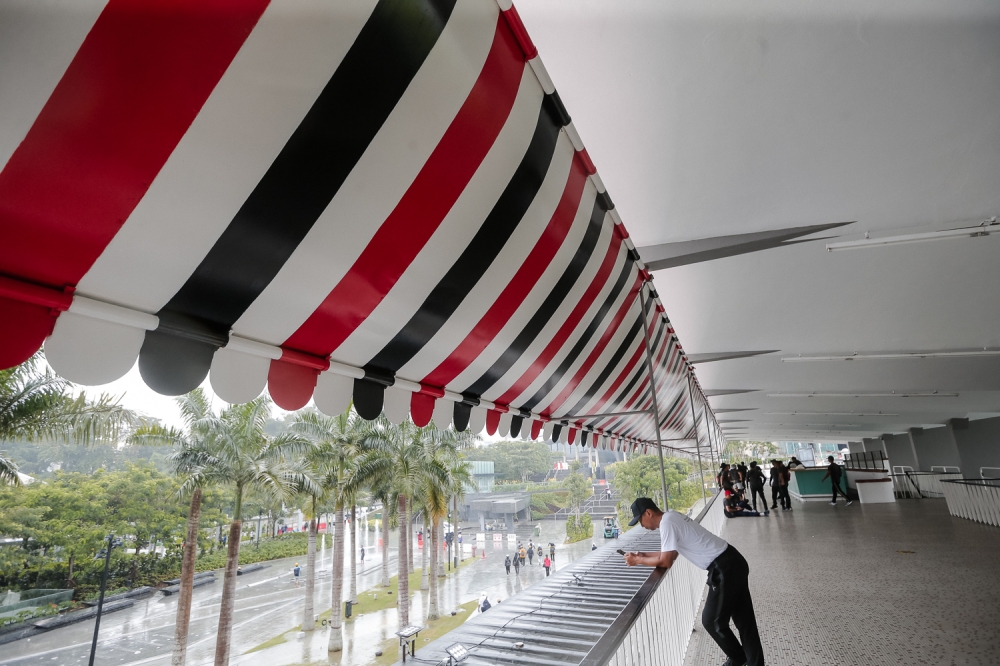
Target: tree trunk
point(439, 545)
point(423, 556)
point(69, 576)
point(403, 593)
point(308, 617)
point(385, 547)
point(354, 554)
point(409, 537)
point(187, 582)
point(228, 594)
point(432, 543)
point(337, 600)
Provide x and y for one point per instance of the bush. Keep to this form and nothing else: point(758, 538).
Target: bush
point(291, 544)
point(579, 529)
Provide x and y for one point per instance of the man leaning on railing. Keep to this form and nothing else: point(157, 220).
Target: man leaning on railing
point(728, 578)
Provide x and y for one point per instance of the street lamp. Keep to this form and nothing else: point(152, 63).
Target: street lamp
point(106, 553)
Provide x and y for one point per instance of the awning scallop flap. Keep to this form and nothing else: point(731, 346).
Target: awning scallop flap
point(377, 201)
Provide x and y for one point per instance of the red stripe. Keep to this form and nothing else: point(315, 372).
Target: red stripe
point(132, 90)
point(421, 409)
point(595, 353)
point(429, 198)
point(513, 295)
point(520, 33)
point(536, 368)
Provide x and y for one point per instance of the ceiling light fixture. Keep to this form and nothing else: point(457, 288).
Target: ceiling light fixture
point(892, 394)
point(895, 355)
point(986, 228)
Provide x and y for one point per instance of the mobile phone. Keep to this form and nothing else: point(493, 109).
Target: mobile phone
point(620, 551)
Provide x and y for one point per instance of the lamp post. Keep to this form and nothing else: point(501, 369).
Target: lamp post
point(112, 542)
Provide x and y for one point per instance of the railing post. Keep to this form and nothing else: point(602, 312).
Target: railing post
point(652, 387)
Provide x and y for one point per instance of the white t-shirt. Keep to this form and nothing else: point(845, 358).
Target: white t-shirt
point(698, 545)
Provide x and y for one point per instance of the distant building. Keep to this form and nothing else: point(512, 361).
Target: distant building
point(482, 477)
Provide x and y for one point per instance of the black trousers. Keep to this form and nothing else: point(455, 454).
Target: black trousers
point(758, 490)
point(729, 599)
point(836, 489)
point(786, 501)
point(508, 569)
point(774, 496)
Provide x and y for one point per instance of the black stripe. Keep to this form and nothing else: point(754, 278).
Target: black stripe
point(588, 333)
point(515, 426)
point(640, 371)
point(306, 174)
point(477, 257)
point(548, 307)
point(612, 363)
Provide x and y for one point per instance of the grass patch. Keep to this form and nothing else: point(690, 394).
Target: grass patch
point(433, 630)
point(277, 640)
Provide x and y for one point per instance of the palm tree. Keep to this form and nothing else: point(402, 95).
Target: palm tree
point(201, 422)
point(240, 455)
point(338, 461)
point(36, 404)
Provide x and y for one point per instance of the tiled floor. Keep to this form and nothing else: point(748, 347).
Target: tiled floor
point(837, 586)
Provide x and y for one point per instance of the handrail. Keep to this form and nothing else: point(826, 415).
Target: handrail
point(607, 645)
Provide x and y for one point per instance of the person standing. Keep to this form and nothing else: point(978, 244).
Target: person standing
point(774, 481)
point(834, 473)
point(755, 479)
point(728, 578)
point(296, 571)
point(362, 554)
point(546, 563)
point(506, 564)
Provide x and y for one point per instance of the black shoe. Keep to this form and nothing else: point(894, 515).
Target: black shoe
point(773, 507)
point(730, 662)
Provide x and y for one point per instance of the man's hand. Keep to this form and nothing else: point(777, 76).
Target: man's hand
point(632, 559)
point(665, 559)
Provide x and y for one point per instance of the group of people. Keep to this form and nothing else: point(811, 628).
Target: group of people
point(739, 479)
point(529, 553)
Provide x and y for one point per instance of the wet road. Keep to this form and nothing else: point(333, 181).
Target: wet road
point(268, 605)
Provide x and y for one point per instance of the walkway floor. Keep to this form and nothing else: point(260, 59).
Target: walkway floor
point(877, 584)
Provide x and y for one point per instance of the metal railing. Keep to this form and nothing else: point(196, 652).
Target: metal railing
point(974, 499)
point(655, 627)
point(925, 485)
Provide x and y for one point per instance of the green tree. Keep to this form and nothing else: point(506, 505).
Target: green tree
point(579, 490)
point(37, 405)
point(8, 471)
point(514, 460)
point(239, 455)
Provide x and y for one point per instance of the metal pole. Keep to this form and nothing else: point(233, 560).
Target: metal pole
point(454, 532)
point(652, 386)
point(100, 599)
point(697, 442)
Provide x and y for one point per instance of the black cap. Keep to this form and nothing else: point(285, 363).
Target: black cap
point(639, 507)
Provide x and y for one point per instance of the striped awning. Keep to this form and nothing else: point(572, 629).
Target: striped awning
point(377, 200)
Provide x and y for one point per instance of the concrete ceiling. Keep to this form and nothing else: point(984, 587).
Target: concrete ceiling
point(723, 118)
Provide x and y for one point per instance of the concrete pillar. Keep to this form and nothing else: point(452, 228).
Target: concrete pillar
point(978, 445)
point(482, 521)
point(508, 519)
point(935, 447)
point(899, 449)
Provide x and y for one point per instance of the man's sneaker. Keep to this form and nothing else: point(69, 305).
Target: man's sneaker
point(730, 662)
point(766, 512)
point(833, 504)
point(849, 502)
point(773, 507)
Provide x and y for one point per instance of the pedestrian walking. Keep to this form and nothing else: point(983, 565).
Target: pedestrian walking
point(362, 554)
point(521, 554)
point(517, 565)
point(755, 479)
point(834, 472)
point(552, 551)
point(728, 578)
point(540, 553)
point(296, 570)
point(531, 554)
point(547, 563)
point(506, 564)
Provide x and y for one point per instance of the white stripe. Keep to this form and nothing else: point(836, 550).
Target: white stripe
point(381, 177)
point(536, 297)
point(272, 82)
point(454, 233)
point(570, 342)
point(38, 41)
point(503, 269)
point(558, 318)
